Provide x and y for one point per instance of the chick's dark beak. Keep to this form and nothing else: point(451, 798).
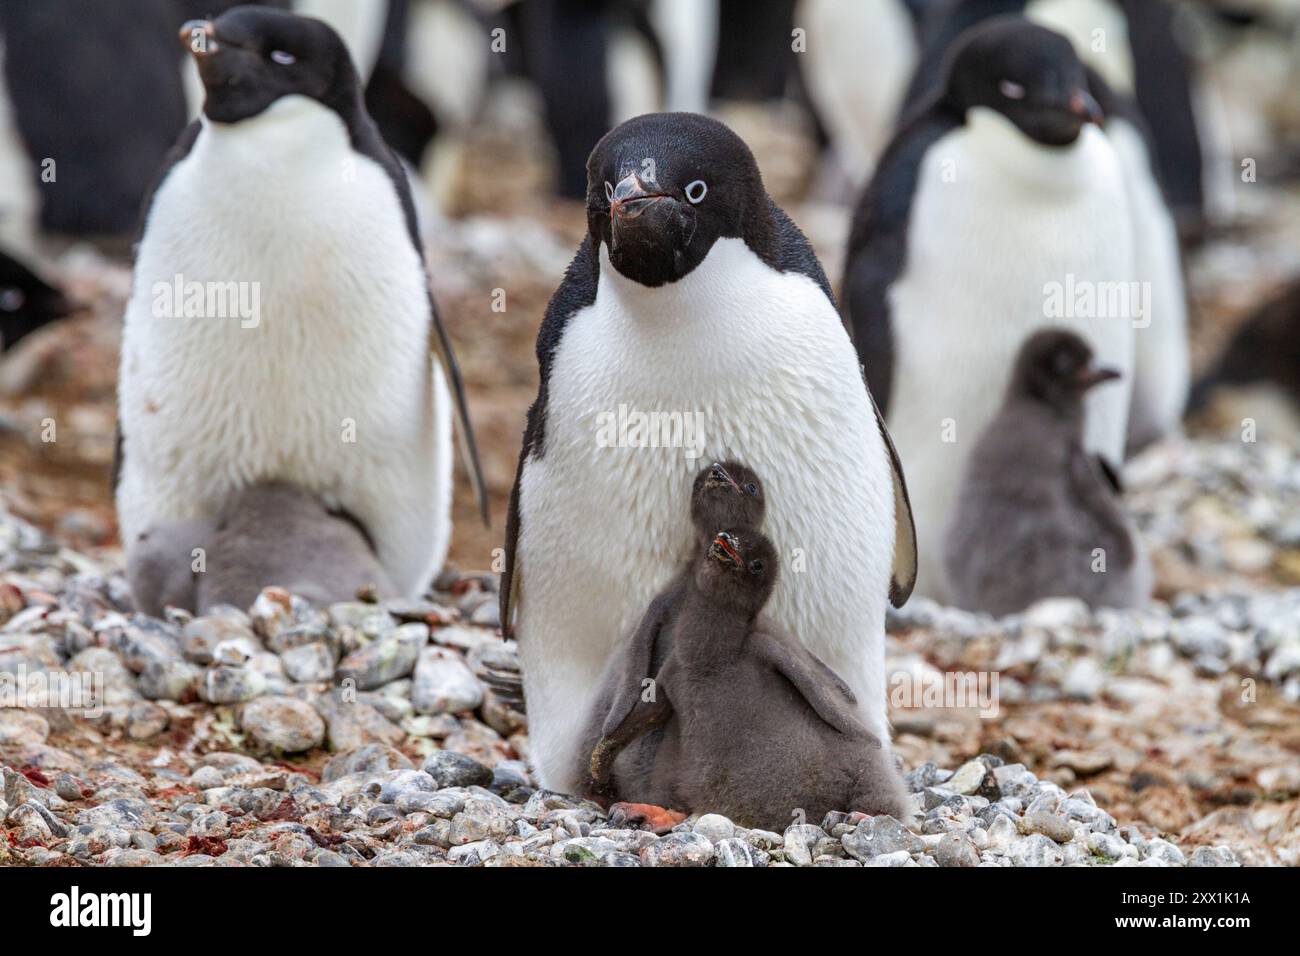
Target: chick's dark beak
point(1090, 376)
point(199, 37)
point(1086, 108)
point(631, 198)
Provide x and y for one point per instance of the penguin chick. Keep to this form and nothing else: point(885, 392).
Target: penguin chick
point(757, 726)
point(1037, 515)
point(162, 563)
point(724, 495)
point(279, 534)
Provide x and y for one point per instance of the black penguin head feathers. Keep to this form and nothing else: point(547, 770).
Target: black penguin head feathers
point(249, 57)
point(26, 302)
point(1026, 72)
point(662, 188)
point(1055, 368)
point(738, 570)
point(726, 495)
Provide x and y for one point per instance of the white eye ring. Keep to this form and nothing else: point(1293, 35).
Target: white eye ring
point(283, 57)
point(609, 191)
point(696, 195)
point(1011, 90)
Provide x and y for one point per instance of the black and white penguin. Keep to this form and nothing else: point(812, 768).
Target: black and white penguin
point(27, 302)
point(1135, 46)
point(1109, 36)
point(693, 299)
point(1037, 516)
point(281, 325)
point(991, 211)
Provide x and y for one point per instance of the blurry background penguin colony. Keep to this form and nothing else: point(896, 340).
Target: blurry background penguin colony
point(494, 106)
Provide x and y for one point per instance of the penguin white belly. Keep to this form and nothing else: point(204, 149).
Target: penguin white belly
point(859, 111)
point(998, 224)
point(762, 358)
point(330, 386)
point(1163, 362)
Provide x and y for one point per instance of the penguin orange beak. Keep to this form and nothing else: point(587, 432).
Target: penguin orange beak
point(631, 199)
point(1086, 108)
point(724, 549)
point(199, 37)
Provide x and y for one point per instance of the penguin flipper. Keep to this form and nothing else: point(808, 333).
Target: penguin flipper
point(441, 347)
point(902, 578)
point(823, 689)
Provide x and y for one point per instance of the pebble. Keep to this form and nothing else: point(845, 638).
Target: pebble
point(444, 683)
point(283, 724)
point(678, 849)
point(450, 769)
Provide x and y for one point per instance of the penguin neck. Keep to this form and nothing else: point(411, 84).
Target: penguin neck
point(719, 630)
point(730, 260)
point(993, 139)
point(277, 134)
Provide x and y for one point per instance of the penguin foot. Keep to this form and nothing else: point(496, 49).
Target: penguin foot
point(647, 816)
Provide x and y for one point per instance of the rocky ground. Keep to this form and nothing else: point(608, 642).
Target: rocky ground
point(367, 734)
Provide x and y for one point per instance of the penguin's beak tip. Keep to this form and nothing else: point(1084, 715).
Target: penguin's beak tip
point(1086, 108)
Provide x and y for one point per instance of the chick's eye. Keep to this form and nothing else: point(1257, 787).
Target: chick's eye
point(756, 567)
point(283, 57)
point(11, 299)
point(696, 191)
point(609, 191)
point(1011, 90)
point(751, 489)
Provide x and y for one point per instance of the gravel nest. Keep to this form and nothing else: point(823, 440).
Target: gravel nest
point(393, 734)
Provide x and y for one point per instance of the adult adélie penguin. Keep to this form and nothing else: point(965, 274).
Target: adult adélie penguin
point(314, 355)
point(999, 208)
point(693, 295)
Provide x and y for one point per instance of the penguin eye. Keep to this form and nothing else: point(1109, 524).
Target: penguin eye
point(609, 191)
point(11, 299)
point(756, 566)
point(1011, 90)
point(696, 191)
point(283, 57)
point(751, 489)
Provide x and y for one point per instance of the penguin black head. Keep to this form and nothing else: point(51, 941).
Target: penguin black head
point(1029, 74)
point(1055, 368)
point(249, 57)
point(26, 302)
point(662, 188)
point(726, 495)
point(739, 570)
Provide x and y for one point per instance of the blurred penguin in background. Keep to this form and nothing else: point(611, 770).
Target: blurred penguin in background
point(1135, 47)
point(96, 101)
point(1112, 40)
point(598, 63)
point(858, 106)
point(27, 302)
